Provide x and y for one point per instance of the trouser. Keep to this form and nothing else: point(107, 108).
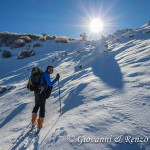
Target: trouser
point(40, 100)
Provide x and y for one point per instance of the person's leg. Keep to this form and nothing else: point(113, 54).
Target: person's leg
point(35, 109)
point(42, 110)
point(36, 106)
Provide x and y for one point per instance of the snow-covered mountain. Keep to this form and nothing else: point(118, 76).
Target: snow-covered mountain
point(105, 94)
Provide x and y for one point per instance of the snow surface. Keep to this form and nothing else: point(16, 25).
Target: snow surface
point(105, 104)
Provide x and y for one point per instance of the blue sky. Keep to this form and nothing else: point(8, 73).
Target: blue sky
point(71, 17)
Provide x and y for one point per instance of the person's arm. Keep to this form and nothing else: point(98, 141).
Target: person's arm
point(54, 81)
point(49, 83)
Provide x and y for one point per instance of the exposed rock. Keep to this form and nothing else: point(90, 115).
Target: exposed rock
point(4, 89)
point(80, 66)
point(148, 31)
point(25, 54)
point(131, 36)
point(6, 54)
point(37, 45)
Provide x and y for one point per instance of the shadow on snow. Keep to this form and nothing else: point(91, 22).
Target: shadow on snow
point(13, 114)
point(74, 99)
point(106, 67)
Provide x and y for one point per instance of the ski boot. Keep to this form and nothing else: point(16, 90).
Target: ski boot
point(40, 123)
point(34, 115)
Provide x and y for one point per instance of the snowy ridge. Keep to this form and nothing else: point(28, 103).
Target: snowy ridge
point(124, 34)
point(105, 101)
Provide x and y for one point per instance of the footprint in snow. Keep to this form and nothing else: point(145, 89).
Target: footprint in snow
point(59, 133)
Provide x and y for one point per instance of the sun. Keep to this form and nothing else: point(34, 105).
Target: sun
point(96, 25)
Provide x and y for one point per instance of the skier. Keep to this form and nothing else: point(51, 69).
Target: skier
point(42, 94)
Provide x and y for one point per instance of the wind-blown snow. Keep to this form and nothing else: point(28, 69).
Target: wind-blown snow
point(109, 97)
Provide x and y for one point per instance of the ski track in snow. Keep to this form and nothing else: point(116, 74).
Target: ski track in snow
point(107, 98)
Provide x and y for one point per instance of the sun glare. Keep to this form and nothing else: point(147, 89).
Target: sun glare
point(96, 25)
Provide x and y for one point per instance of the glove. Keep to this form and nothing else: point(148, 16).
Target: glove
point(58, 76)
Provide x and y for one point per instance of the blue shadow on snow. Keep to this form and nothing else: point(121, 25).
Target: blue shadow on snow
point(13, 114)
point(126, 146)
point(74, 99)
point(107, 69)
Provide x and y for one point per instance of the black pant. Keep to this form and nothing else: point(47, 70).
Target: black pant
point(40, 100)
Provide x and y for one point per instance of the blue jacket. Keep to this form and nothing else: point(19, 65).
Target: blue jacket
point(45, 75)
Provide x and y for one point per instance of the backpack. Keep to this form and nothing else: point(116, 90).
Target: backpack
point(34, 80)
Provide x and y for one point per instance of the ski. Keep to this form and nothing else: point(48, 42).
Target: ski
point(30, 136)
point(31, 131)
point(37, 133)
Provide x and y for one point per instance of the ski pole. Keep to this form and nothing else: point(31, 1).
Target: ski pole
point(59, 96)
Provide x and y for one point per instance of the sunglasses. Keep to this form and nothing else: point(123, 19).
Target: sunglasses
point(51, 69)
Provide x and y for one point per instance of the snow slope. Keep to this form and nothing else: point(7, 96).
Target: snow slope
point(105, 104)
